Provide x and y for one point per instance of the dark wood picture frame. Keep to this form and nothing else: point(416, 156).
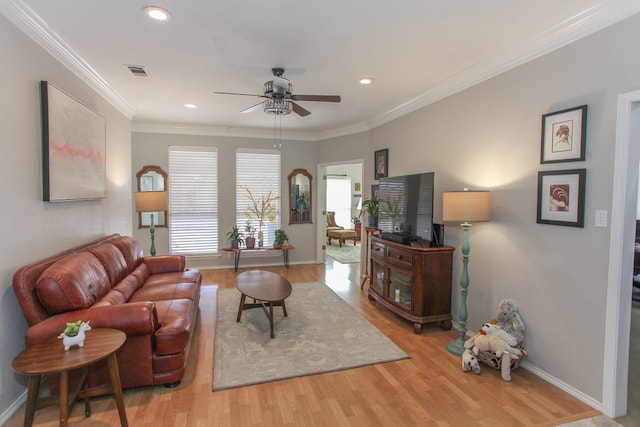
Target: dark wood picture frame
point(561, 195)
point(381, 163)
point(73, 148)
point(300, 197)
point(564, 135)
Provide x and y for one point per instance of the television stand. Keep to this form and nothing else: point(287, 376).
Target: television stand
point(413, 282)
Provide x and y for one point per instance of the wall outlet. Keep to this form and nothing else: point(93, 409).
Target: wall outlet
point(601, 219)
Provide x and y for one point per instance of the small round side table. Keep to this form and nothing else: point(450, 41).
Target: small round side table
point(49, 357)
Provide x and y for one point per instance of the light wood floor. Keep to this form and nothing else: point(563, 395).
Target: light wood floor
point(429, 389)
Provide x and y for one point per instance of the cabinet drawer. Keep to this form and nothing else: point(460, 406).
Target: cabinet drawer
point(400, 258)
point(378, 250)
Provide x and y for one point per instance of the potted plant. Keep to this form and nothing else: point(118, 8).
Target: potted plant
point(281, 238)
point(262, 208)
point(250, 240)
point(301, 201)
point(370, 206)
point(234, 237)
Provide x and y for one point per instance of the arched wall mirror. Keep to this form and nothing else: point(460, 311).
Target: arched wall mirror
point(300, 197)
point(152, 178)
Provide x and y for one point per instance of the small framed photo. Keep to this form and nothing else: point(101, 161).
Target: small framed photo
point(381, 162)
point(561, 197)
point(564, 135)
point(356, 187)
point(375, 191)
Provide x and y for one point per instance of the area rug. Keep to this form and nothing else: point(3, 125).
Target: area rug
point(322, 333)
point(346, 254)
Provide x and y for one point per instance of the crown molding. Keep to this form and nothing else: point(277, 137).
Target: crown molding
point(23, 17)
point(596, 18)
point(196, 129)
point(603, 14)
point(343, 131)
point(264, 133)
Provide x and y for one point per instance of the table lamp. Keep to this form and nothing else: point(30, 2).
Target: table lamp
point(466, 207)
point(151, 201)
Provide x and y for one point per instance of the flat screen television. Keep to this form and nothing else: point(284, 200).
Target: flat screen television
point(406, 207)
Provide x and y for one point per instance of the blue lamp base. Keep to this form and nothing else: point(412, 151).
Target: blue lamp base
point(457, 346)
point(152, 230)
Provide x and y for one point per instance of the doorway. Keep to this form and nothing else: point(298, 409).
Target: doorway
point(622, 239)
point(341, 193)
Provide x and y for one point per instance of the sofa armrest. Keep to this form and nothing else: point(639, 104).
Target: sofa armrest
point(164, 263)
point(134, 319)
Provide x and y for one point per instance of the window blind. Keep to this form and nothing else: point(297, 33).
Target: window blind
point(259, 171)
point(193, 200)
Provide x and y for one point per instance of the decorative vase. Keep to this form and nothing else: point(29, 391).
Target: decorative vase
point(234, 244)
point(251, 242)
point(260, 238)
point(373, 221)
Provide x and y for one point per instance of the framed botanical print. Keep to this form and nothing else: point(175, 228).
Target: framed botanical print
point(561, 197)
point(564, 135)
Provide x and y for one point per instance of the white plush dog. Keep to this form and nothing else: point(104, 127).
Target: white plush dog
point(470, 362)
point(495, 330)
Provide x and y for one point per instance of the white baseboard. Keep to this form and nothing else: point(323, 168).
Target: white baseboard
point(595, 404)
point(562, 386)
point(8, 413)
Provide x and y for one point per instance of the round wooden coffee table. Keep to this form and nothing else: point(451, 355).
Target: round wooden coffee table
point(49, 357)
point(264, 287)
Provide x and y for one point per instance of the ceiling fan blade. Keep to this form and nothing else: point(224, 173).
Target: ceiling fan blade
point(252, 108)
point(299, 110)
point(323, 98)
point(243, 94)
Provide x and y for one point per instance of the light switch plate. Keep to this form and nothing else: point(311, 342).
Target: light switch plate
point(601, 219)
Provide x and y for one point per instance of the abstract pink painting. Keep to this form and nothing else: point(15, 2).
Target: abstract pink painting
point(74, 148)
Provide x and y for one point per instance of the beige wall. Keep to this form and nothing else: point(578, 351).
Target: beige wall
point(485, 137)
point(30, 228)
point(488, 137)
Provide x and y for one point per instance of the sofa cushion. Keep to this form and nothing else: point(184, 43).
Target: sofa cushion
point(128, 286)
point(186, 276)
point(141, 273)
point(74, 282)
point(175, 316)
point(113, 297)
point(167, 291)
point(112, 260)
point(131, 250)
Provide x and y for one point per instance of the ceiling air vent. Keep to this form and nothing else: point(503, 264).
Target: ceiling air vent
point(137, 70)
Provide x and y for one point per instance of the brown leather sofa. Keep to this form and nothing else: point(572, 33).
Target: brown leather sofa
point(109, 282)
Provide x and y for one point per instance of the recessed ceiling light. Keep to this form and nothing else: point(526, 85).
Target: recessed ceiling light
point(190, 106)
point(365, 80)
point(157, 13)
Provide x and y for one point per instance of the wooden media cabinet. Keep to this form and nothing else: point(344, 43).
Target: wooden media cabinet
point(412, 281)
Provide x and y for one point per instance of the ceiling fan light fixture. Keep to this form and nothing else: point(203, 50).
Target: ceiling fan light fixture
point(280, 86)
point(157, 13)
point(277, 106)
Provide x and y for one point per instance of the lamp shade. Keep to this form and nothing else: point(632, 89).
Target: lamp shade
point(151, 201)
point(465, 206)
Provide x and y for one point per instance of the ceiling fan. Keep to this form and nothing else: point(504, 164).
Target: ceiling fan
point(279, 99)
